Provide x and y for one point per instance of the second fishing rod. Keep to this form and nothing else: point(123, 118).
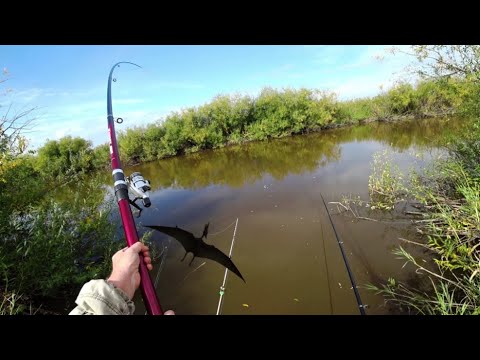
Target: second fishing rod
point(361, 307)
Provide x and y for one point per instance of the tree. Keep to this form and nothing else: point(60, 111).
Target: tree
point(65, 156)
point(13, 126)
point(445, 61)
point(12, 141)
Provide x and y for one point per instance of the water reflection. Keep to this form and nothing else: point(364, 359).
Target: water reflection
point(237, 166)
point(198, 247)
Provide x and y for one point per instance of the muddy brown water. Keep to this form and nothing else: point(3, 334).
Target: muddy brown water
point(285, 246)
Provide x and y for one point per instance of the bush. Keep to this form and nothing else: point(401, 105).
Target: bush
point(65, 157)
point(230, 119)
point(130, 144)
point(101, 156)
point(50, 250)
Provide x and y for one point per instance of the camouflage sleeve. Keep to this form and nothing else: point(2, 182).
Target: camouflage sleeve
point(98, 297)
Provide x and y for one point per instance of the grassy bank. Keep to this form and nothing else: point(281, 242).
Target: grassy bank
point(447, 198)
point(50, 247)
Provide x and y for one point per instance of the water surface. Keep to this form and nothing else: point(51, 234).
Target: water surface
point(285, 246)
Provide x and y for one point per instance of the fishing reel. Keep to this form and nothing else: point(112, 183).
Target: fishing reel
point(140, 188)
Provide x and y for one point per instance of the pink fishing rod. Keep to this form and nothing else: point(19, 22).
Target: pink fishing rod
point(121, 192)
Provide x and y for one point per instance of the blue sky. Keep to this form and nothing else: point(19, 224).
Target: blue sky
point(68, 84)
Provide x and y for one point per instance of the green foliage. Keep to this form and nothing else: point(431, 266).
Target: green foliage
point(471, 104)
point(466, 149)
point(232, 119)
point(355, 110)
point(51, 249)
point(428, 98)
point(446, 61)
point(10, 303)
point(441, 96)
point(456, 66)
point(385, 184)
point(65, 157)
point(48, 248)
point(278, 114)
point(153, 138)
point(174, 141)
point(402, 99)
point(19, 187)
point(229, 120)
point(101, 156)
point(451, 199)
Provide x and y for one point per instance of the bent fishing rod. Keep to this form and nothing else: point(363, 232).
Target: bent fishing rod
point(139, 188)
point(350, 274)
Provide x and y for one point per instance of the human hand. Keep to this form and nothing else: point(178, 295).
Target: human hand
point(125, 274)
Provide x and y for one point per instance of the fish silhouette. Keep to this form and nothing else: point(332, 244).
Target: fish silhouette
point(198, 247)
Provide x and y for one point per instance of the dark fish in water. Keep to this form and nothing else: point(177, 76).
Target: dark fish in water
point(198, 247)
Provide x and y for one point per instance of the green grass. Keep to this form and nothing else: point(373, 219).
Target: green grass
point(450, 200)
point(10, 303)
point(49, 250)
point(386, 182)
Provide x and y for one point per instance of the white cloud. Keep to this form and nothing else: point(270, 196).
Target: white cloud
point(372, 54)
point(364, 76)
point(333, 59)
point(85, 128)
point(361, 87)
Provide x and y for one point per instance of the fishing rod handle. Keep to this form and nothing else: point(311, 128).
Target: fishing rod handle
point(149, 294)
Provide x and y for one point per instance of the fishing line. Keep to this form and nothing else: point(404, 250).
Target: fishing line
point(225, 229)
point(162, 262)
point(222, 288)
point(350, 274)
point(160, 266)
point(191, 272)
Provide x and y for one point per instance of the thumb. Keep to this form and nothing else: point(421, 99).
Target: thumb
point(137, 247)
point(169, 312)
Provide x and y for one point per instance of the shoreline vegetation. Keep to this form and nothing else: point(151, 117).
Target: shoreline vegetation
point(77, 238)
point(230, 120)
point(234, 119)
